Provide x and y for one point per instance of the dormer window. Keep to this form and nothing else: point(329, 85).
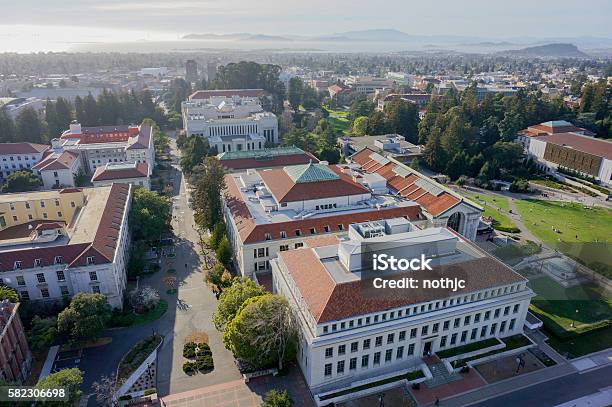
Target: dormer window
point(313, 231)
point(268, 236)
point(57, 260)
point(37, 262)
point(283, 234)
point(327, 228)
point(91, 260)
point(17, 265)
point(298, 232)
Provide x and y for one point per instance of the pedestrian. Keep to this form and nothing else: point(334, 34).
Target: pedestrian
point(437, 401)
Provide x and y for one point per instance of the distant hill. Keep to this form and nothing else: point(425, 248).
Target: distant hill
point(238, 36)
point(549, 51)
point(262, 37)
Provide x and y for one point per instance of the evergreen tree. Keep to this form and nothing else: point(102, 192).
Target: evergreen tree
point(7, 128)
point(29, 127)
point(90, 112)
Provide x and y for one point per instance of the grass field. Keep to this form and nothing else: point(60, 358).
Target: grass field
point(584, 232)
point(338, 119)
point(492, 206)
point(588, 307)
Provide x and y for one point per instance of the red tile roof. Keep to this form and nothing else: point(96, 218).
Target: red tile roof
point(285, 189)
point(251, 232)
point(590, 145)
point(22, 148)
point(102, 246)
point(62, 161)
point(329, 301)
point(405, 186)
point(206, 94)
point(278, 161)
point(106, 173)
point(49, 226)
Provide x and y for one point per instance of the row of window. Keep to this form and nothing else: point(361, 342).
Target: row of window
point(12, 158)
point(42, 204)
point(14, 167)
point(40, 277)
point(425, 330)
point(31, 217)
point(44, 292)
point(365, 359)
point(18, 265)
point(298, 232)
point(419, 309)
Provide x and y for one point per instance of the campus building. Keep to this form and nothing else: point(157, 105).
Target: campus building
point(59, 169)
point(15, 356)
point(19, 156)
point(136, 174)
point(349, 331)
point(275, 210)
point(440, 205)
point(98, 146)
point(230, 120)
point(58, 243)
point(234, 161)
point(560, 144)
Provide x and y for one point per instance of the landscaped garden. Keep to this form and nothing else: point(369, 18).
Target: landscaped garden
point(338, 119)
point(136, 356)
point(199, 358)
point(470, 347)
point(416, 374)
point(580, 232)
point(514, 253)
point(512, 342)
point(578, 318)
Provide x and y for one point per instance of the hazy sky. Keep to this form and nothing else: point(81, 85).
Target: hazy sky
point(45, 21)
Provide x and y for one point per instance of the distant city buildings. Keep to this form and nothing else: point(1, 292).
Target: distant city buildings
point(231, 120)
point(191, 71)
point(367, 84)
point(19, 156)
point(14, 106)
point(15, 356)
point(58, 243)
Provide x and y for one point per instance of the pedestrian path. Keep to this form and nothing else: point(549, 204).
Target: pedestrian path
point(441, 375)
point(594, 360)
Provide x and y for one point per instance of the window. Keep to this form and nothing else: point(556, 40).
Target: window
point(93, 276)
point(453, 339)
point(328, 369)
point(57, 260)
point(15, 219)
point(340, 367)
point(25, 295)
point(325, 329)
point(473, 334)
point(366, 344)
point(298, 245)
point(326, 228)
point(516, 308)
point(506, 310)
point(400, 353)
point(493, 329)
point(64, 290)
point(30, 216)
point(463, 336)
point(40, 277)
point(340, 226)
point(390, 338)
point(60, 275)
point(443, 341)
point(27, 205)
point(353, 364)
point(284, 247)
point(502, 327)
point(466, 320)
point(298, 232)
point(72, 204)
point(435, 327)
point(378, 341)
point(59, 214)
point(457, 322)
point(57, 203)
point(413, 333)
point(377, 358)
point(487, 315)
point(388, 355)
point(42, 204)
point(402, 335)
point(20, 280)
point(283, 234)
point(496, 315)
point(365, 360)
point(424, 330)
point(341, 349)
point(95, 289)
point(313, 231)
point(477, 318)
point(445, 325)
point(354, 347)
point(268, 236)
point(45, 215)
point(512, 322)
point(329, 352)
point(44, 292)
point(411, 349)
point(17, 265)
point(483, 331)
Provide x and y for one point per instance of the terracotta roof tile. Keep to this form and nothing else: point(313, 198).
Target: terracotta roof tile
point(22, 148)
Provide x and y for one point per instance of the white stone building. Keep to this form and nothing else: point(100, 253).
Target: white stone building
point(58, 243)
point(136, 174)
point(19, 156)
point(230, 123)
point(349, 331)
point(59, 169)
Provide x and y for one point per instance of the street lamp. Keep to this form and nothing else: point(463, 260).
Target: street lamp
point(573, 325)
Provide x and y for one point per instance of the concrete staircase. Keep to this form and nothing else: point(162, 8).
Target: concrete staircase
point(441, 375)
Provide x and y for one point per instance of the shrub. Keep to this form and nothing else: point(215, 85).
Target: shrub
point(144, 299)
point(276, 398)
point(189, 367)
point(189, 350)
point(205, 363)
point(203, 349)
point(150, 391)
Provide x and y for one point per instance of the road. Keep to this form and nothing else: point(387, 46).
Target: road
point(554, 392)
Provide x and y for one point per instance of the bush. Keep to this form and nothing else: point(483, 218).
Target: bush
point(150, 391)
point(276, 398)
point(189, 350)
point(519, 185)
point(203, 349)
point(144, 299)
point(224, 251)
point(189, 367)
point(205, 363)
point(42, 333)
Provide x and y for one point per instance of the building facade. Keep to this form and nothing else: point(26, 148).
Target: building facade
point(59, 169)
point(125, 173)
point(19, 156)
point(15, 356)
point(58, 243)
point(348, 333)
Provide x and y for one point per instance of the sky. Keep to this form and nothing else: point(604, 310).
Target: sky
point(31, 25)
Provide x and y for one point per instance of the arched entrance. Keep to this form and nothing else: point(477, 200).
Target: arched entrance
point(454, 221)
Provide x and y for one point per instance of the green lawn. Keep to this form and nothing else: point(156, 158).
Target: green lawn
point(494, 206)
point(132, 319)
point(338, 119)
point(584, 232)
point(514, 253)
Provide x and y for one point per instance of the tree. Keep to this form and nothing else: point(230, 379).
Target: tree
point(150, 215)
point(233, 297)
point(106, 390)
point(360, 126)
point(262, 332)
point(208, 180)
point(218, 276)
point(433, 154)
point(224, 251)
point(218, 232)
point(42, 333)
point(403, 118)
point(91, 114)
point(458, 165)
point(63, 115)
point(70, 379)
point(7, 128)
point(21, 181)
point(28, 126)
point(295, 92)
point(510, 126)
point(144, 299)
point(195, 149)
point(7, 293)
point(276, 398)
point(377, 124)
point(85, 318)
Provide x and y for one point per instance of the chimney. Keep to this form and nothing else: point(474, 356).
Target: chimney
point(75, 128)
